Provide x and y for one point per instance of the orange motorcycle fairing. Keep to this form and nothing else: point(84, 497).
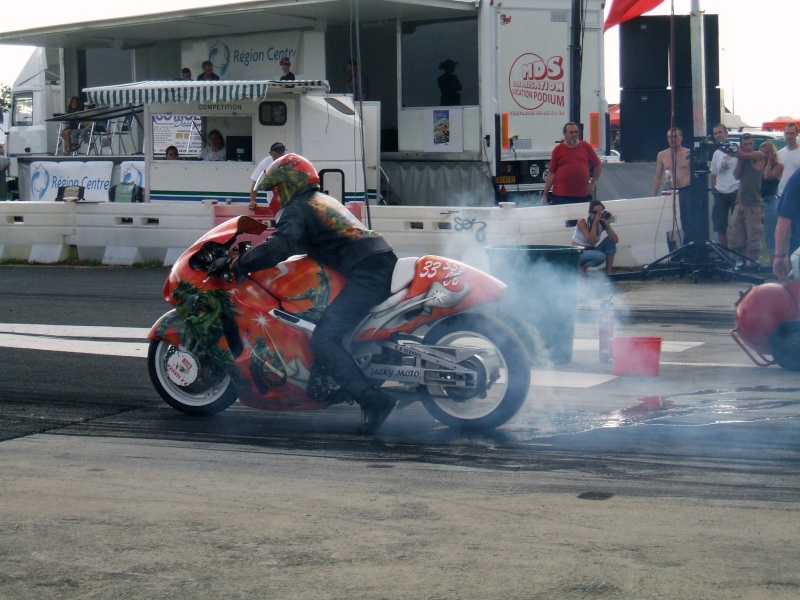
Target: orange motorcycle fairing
point(440, 287)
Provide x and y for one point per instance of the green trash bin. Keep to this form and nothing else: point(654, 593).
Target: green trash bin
point(542, 295)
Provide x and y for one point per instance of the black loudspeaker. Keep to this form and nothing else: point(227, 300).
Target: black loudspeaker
point(645, 120)
point(644, 44)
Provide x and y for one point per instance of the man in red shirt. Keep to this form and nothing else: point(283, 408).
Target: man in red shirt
point(568, 177)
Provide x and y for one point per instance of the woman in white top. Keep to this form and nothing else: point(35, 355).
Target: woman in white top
point(215, 150)
point(587, 234)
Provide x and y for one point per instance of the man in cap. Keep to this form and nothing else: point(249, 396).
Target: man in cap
point(449, 85)
point(275, 151)
point(286, 66)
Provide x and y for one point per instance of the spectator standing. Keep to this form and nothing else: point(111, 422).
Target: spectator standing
point(569, 177)
point(676, 160)
point(358, 84)
point(275, 151)
point(208, 72)
point(770, 177)
point(449, 84)
point(723, 184)
point(747, 225)
point(789, 155)
point(788, 227)
point(186, 74)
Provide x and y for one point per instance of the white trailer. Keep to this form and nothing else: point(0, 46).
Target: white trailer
point(328, 129)
point(35, 96)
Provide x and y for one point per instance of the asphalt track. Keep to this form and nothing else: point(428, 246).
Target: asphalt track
point(711, 430)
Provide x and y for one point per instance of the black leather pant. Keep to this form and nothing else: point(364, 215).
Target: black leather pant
point(368, 283)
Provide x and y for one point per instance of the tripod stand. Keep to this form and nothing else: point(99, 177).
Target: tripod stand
point(703, 259)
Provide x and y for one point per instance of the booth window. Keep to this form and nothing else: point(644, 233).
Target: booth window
point(22, 109)
point(272, 113)
point(188, 133)
point(424, 46)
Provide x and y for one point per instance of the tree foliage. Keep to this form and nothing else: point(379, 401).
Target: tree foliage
point(5, 98)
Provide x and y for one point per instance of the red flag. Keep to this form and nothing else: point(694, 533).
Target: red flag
point(625, 10)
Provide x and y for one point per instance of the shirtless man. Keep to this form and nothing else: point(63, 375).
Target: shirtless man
point(676, 159)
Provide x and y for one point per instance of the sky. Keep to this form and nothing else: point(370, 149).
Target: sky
point(758, 45)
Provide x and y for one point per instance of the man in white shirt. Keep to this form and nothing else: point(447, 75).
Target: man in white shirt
point(276, 150)
point(789, 156)
point(724, 185)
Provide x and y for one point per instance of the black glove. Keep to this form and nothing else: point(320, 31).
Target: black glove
point(223, 268)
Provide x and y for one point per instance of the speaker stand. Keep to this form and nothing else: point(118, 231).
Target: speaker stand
point(700, 260)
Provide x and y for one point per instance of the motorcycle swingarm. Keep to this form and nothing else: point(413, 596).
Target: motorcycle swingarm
point(442, 366)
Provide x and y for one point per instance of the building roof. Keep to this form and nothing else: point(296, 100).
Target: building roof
point(233, 19)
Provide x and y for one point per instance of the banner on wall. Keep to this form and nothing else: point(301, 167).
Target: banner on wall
point(181, 131)
point(131, 171)
point(245, 57)
point(47, 177)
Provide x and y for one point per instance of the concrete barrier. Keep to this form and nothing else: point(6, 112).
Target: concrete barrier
point(36, 231)
point(124, 234)
point(463, 233)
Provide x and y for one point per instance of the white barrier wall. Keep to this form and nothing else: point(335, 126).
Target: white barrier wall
point(463, 233)
point(35, 231)
point(114, 234)
point(124, 234)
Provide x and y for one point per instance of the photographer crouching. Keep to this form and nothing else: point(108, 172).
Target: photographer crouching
point(588, 232)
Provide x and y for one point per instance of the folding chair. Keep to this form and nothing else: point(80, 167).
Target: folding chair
point(100, 138)
point(123, 127)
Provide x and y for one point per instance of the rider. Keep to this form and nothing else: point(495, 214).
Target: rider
point(315, 224)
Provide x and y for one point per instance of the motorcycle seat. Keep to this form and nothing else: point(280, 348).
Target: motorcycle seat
point(403, 273)
point(402, 277)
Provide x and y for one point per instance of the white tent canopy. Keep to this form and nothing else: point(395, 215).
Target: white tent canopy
point(150, 92)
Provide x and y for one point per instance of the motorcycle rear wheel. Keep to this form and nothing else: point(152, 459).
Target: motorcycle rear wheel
point(785, 345)
point(212, 390)
point(503, 374)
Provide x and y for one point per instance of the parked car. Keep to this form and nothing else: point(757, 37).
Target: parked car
point(612, 157)
point(759, 137)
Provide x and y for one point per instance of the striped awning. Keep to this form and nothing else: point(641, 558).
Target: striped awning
point(151, 92)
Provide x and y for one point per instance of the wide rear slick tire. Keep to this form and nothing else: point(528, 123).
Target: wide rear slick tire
point(210, 390)
point(504, 374)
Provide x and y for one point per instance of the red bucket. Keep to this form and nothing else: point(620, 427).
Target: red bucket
point(636, 355)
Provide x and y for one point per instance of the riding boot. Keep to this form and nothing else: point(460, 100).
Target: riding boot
point(375, 407)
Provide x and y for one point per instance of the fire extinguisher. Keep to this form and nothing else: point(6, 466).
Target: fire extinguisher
point(606, 329)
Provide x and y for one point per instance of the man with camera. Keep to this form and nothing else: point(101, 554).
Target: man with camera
point(747, 226)
point(724, 185)
point(588, 232)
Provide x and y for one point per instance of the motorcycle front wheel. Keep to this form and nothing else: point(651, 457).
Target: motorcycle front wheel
point(500, 363)
point(187, 383)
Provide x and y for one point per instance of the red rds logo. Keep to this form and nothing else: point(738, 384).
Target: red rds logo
point(534, 81)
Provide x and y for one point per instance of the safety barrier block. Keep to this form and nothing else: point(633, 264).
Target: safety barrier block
point(454, 232)
point(36, 231)
point(124, 234)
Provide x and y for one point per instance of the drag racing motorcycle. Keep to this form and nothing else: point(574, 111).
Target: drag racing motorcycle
point(225, 340)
